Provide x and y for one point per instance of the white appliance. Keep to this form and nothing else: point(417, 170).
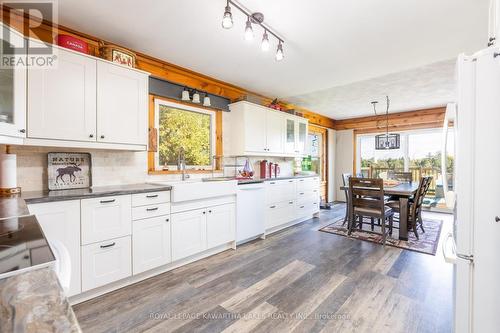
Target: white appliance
point(474, 245)
point(250, 207)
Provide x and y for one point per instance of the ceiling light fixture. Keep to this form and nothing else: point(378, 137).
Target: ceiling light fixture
point(252, 18)
point(248, 30)
point(386, 140)
point(227, 19)
point(265, 42)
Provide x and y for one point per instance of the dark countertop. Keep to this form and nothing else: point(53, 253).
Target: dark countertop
point(35, 302)
point(100, 191)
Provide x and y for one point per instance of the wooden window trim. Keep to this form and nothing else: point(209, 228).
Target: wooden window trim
point(151, 125)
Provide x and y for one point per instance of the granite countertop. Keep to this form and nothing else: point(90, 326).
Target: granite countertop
point(35, 302)
point(85, 193)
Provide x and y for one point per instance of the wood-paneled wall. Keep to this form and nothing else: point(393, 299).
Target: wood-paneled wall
point(162, 69)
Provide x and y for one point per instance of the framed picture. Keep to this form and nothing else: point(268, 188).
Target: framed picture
point(123, 58)
point(117, 54)
point(69, 170)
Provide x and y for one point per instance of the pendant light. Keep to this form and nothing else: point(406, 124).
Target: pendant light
point(248, 30)
point(279, 52)
point(185, 94)
point(206, 100)
point(386, 140)
point(265, 42)
point(196, 97)
point(227, 19)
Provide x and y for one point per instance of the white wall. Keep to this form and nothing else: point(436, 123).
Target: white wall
point(344, 156)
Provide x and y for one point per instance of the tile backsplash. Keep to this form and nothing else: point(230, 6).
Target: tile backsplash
point(111, 167)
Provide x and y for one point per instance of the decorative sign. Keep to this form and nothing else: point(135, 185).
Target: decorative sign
point(69, 170)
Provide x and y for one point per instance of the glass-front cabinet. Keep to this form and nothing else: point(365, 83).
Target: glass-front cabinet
point(301, 142)
point(290, 136)
point(12, 93)
point(295, 136)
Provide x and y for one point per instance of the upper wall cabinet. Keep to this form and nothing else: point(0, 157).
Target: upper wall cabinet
point(251, 129)
point(122, 104)
point(62, 100)
point(12, 94)
point(87, 102)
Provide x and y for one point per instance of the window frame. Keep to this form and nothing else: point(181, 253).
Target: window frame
point(215, 134)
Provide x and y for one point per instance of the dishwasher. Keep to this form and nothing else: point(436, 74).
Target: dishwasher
point(250, 207)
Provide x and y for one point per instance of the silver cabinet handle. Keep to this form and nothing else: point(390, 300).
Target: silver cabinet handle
point(151, 209)
point(272, 183)
point(290, 202)
point(107, 201)
point(272, 206)
point(301, 206)
point(109, 245)
point(152, 196)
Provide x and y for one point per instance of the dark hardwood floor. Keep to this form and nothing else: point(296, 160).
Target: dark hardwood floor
point(298, 280)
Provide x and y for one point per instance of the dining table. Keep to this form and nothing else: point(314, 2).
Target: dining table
point(403, 191)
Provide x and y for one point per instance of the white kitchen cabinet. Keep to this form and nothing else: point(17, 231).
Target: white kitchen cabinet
point(143, 212)
point(122, 104)
point(60, 221)
point(151, 243)
point(280, 190)
point(189, 233)
point(62, 100)
point(106, 262)
point(220, 225)
point(279, 213)
point(275, 132)
point(12, 94)
point(251, 129)
point(105, 218)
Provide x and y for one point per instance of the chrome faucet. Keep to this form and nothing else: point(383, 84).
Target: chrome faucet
point(181, 163)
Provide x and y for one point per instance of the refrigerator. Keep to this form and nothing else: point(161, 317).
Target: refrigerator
point(474, 245)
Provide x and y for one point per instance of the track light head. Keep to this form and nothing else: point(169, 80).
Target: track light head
point(265, 42)
point(248, 30)
point(227, 19)
point(279, 52)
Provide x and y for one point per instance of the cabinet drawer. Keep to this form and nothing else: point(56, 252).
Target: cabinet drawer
point(106, 262)
point(306, 184)
point(105, 218)
point(279, 213)
point(150, 211)
point(152, 198)
point(280, 191)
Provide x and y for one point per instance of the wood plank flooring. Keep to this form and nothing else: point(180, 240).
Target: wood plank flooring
point(298, 280)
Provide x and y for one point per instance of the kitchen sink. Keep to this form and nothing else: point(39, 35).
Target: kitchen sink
point(201, 188)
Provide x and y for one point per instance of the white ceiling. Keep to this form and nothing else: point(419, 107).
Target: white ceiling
point(328, 43)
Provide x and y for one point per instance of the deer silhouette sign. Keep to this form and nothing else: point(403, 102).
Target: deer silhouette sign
point(68, 170)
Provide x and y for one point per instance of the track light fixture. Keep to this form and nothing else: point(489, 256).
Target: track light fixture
point(252, 18)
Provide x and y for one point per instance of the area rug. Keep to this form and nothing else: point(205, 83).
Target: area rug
point(427, 242)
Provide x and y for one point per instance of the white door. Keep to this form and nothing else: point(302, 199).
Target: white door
point(105, 218)
point(122, 105)
point(275, 132)
point(486, 286)
point(151, 243)
point(220, 225)
point(255, 129)
point(189, 233)
point(60, 221)
point(13, 93)
point(106, 262)
point(62, 100)
point(301, 139)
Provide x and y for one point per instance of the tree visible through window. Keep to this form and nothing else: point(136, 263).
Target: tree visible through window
point(184, 129)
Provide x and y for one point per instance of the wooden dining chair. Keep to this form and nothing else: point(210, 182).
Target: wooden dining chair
point(415, 206)
point(345, 182)
point(367, 199)
point(405, 177)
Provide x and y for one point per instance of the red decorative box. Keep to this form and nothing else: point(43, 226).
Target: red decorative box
point(72, 43)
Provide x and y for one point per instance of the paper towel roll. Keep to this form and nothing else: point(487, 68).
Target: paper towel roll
point(8, 174)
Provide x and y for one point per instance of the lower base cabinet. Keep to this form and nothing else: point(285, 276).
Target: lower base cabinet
point(220, 225)
point(189, 233)
point(150, 243)
point(279, 213)
point(106, 262)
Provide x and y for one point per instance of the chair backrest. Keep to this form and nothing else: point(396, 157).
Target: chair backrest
point(423, 187)
point(345, 182)
point(401, 176)
point(367, 193)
